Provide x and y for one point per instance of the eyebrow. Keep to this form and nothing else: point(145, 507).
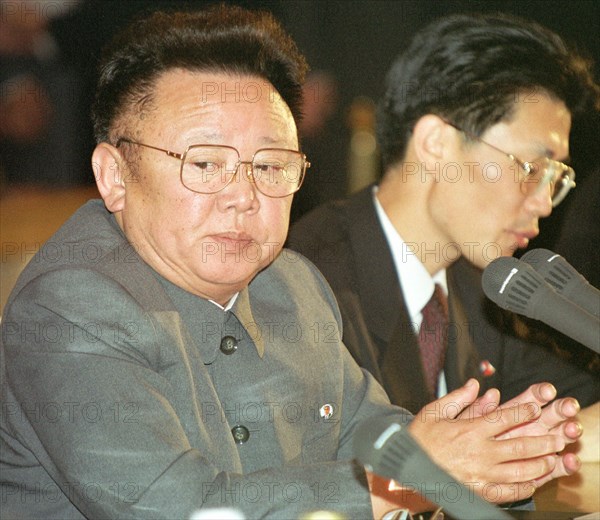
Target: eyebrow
point(547, 152)
point(209, 137)
point(269, 140)
point(551, 155)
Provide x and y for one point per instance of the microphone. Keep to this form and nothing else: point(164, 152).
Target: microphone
point(517, 287)
point(386, 447)
point(565, 279)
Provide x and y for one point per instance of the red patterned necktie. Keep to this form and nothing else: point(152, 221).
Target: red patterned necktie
point(433, 338)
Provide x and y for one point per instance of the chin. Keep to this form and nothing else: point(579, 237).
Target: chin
point(510, 251)
point(234, 274)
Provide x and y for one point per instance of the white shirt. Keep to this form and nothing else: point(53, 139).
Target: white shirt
point(416, 283)
point(229, 304)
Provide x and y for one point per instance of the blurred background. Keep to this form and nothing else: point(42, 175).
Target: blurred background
point(48, 55)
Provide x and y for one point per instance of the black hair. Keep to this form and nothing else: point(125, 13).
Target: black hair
point(470, 69)
point(223, 38)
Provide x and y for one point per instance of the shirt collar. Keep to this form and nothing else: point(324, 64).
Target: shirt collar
point(253, 326)
point(229, 303)
point(416, 284)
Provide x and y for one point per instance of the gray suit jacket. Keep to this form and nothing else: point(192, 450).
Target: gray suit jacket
point(119, 403)
point(345, 240)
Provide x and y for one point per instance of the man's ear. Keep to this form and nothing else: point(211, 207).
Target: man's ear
point(429, 138)
point(110, 170)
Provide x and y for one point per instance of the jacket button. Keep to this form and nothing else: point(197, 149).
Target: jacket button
point(240, 434)
point(228, 345)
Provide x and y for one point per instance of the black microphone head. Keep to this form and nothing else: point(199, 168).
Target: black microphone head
point(536, 257)
point(513, 285)
point(385, 447)
point(564, 279)
point(554, 268)
point(382, 445)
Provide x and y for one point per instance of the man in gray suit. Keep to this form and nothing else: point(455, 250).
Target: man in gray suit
point(163, 354)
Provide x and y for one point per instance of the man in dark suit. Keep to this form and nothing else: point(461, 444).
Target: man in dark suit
point(472, 128)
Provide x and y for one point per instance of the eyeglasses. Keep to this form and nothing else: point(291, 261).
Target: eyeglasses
point(542, 173)
point(209, 168)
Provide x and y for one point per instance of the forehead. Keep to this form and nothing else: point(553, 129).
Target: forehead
point(539, 126)
point(208, 102)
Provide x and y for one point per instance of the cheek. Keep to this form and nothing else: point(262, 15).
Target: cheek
point(275, 218)
point(277, 226)
point(271, 228)
point(469, 211)
point(175, 218)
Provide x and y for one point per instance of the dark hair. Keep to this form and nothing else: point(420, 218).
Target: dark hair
point(219, 39)
point(469, 69)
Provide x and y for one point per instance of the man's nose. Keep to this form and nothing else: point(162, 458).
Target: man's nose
point(240, 193)
point(539, 201)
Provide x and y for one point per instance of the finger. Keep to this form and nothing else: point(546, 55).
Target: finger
point(560, 409)
point(524, 448)
point(573, 430)
point(485, 404)
point(554, 419)
point(558, 412)
point(570, 431)
point(543, 392)
point(566, 464)
point(502, 420)
point(522, 470)
point(455, 402)
point(539, 393)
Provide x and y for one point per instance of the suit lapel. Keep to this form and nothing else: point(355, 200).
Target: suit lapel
point(462, 358)
point(373, 266)
point(383, 305)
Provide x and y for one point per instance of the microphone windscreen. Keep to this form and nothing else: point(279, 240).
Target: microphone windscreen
point(554, 268)
point(385, 447)
point(564, 279)
point(513, 285)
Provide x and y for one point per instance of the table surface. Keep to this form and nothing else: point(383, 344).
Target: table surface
point(578, 492)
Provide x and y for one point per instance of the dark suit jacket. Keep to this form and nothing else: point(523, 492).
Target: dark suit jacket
point(345, 240)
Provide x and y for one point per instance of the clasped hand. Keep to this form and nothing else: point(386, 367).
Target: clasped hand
point(503, 452)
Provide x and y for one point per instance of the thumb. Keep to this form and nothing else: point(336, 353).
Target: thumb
point(455, 402)
point(451, 405)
